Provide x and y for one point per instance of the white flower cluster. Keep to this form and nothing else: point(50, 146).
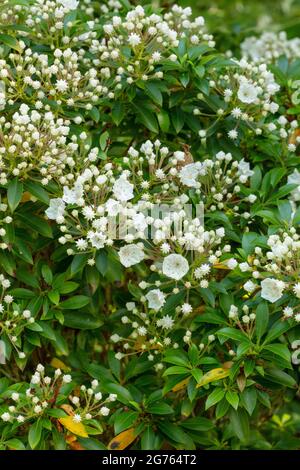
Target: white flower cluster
point(36, 142)
point(277, 270)
point(147, 328)
point(42, 393)
point(13, 319)
point(218, 181)
point(5, 219)
point(136, 46)
point(30, 76)
point(269, 47)
point(247, 91)
point(109, 206)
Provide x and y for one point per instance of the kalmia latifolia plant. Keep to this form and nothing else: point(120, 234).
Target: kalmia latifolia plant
point(149, 231)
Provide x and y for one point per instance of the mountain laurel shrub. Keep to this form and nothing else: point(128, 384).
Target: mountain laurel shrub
point(187, 338)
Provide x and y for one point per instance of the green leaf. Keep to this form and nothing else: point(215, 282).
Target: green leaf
point(163, 120)
point(222, 408)
point(22, 293)
point(249, 398)
point(160, 408)
point(36, 223)
point(231, 333)
point(173, 432)
point(35, 434)
point(277, 330)
point(125, 420)
point(102, 262)
point(14, 193)
point(81, 321)
point(37, 191)
point(262, 319)
point(78, 301)
point(153, 91)
point(240, 424)
point(148, 439)
point(147, 118)
point(15, 444)
point(198, 424)
point(11, 42)
point(67, 287)
point(177, 357)
point(118, 112)
point(214, 397)
point(233, 399)
point(281, 377)
point(78, 263)
point(174, 370)
point(177, 118)
point(47, 274)
point(280, 350)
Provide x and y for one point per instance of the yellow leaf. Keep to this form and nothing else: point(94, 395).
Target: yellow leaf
point(221, 266)
point(26, 196)
point(180, 385)
point(212, 375)
point(58, 364)
point(122, 440)
point(68, 409)
point(76, 428)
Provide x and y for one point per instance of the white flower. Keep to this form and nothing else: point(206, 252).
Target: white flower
point(77, 418)
point(294, 178)
point(186, 309)
point(67, 378)
point(156, 56)
point(15, 396)
point(231, 263)
point(233, 134)
point(244, 169)
point(69, 4)
point(296, 290)
point(55, 209)
point(249, 286)
point(113, 207)
point(188, 175)
point(247, 93)
point(166, 322)
point(175, 266)
point(104, 411)
point(134, 39)
point(272, 289)
point(156, 299)
point(123, 190)
point(71, 196)
point(5, 416)
point(130, 255)
point(288, 312)
point(61, 85)
point(96, 239)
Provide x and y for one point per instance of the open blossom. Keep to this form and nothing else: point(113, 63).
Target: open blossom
point(123, 190)
point(166, 322)
point(294, 178)
point(55, 209)
point(247, 93)
point(156, 299)
point(69, 4)
point(296, 290)
point(130, 255)
point(189, 173)
point(175, 266)
point(272, 289)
